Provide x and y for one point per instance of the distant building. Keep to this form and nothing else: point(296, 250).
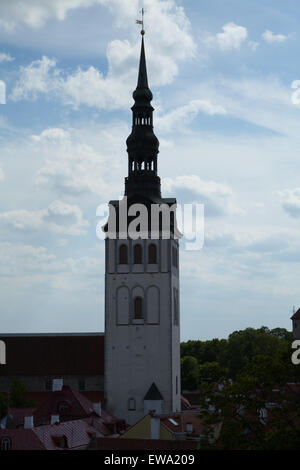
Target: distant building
point(37, 359)
point(64, 420)
point(296, 324)
point(186, 425)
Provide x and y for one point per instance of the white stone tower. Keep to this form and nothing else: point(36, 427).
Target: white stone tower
point(142, 338)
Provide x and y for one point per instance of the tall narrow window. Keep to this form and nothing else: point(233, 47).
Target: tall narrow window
point(131, 404)
point(138, 308)
point(123, 254)
point(137, 254)
point(152, 254)
point(175, 305)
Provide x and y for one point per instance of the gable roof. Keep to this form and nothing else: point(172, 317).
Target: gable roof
point(153, 393)
point(296, 315)
point(78, 406)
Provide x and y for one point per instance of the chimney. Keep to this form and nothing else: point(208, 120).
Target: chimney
point(54, 419)
point(155, 427)
point(189, 427)
point(28, 422)
point(97, 408)
point(57, 385)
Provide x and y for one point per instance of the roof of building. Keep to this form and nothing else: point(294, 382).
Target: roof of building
point(193, 397)
point(70, 435)
point(177, 423)
point(77, 405)
point(153, 393)
point(22, 439)
point(296, 315)
point(53, 354)
point(74, 434)
point(141, 444)
point(15, 416)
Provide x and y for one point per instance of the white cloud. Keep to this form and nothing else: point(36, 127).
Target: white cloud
point(34, 13)
point(290, 201)
point(270, 37)
point(59, 217)
point(218, 198)
point(26, 265)
point(35, 79)
point(232, 37)
point(170, 39)
point(90, 87)
point(253, 45)
point(185, 114)
point(1, 174)
point(73, 167)
point(6, 57)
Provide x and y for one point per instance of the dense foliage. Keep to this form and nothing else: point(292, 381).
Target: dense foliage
point(249, 389)
point(17, 395)
point(218, 359)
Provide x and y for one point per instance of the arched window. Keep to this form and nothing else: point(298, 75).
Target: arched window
point(152, 254)
point(5, 443)
point(123, 254)
point(138, 308)
point(131, 404)
point(137, 254)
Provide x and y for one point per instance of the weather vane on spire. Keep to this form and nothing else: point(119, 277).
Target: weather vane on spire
point(141, 21)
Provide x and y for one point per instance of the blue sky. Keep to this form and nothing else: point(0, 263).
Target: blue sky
point(228, 122)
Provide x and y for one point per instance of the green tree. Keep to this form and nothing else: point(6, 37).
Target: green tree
point(189, 373)
point(17, 394)
point(211, 371)
point(259, 411)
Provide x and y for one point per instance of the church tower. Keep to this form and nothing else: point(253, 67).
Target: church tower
point(142, 338)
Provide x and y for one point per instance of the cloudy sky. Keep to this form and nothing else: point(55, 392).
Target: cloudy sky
point(225, 81)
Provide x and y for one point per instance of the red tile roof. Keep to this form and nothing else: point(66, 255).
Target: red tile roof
point(54, 355)
point(70, 435)
point(15, 418)
point(78, 406)
point(22, 439)
point(141, 444)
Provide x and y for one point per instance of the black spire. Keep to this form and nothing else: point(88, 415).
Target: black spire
point(142, 79)
point(142, 144)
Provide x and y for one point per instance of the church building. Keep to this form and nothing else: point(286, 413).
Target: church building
point(142, 321)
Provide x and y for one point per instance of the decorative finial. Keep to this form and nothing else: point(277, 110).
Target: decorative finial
point(142, 21)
